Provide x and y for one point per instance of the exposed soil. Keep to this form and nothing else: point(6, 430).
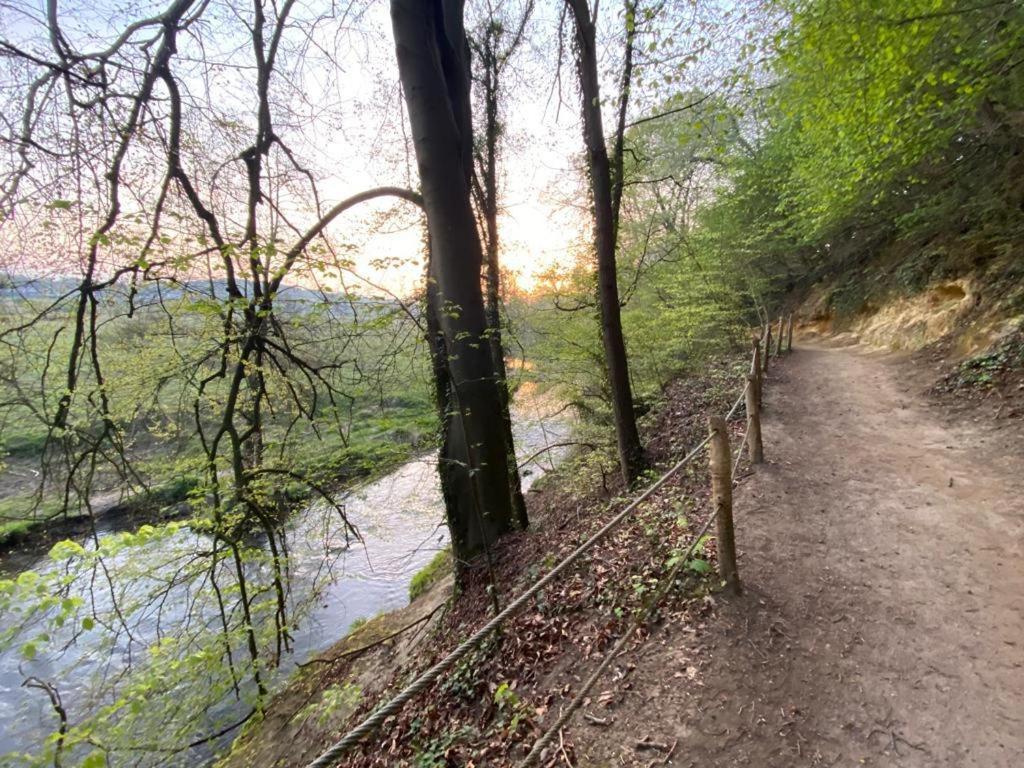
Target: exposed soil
point(883, 616)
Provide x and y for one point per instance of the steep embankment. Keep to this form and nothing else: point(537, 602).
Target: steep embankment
point(494, 703)
point(952, 298)
point(907, 292)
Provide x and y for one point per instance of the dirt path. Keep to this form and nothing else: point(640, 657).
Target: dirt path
point(883, 618)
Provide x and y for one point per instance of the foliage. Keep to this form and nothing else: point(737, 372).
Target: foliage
point(684, 292)
point(857, 129)
point(851, 131)
point(989, 369)
point(869, 91)
point(434, 754)
point(884, 131)
point(181, 597)
point(512, 710)
point(439, 566)
point(339, 698)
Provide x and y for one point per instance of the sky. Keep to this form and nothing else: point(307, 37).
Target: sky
point(338, 105)
point(543, 217)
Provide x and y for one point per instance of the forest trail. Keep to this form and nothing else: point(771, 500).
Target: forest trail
point(882, 624)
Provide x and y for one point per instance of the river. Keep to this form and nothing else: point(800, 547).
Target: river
point(401, 523)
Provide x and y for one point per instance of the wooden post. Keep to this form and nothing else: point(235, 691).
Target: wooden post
point(789, 341)
point(778, 343)
point(754, 422)
point(721, 501)
point(767, 346)
point(755, 369)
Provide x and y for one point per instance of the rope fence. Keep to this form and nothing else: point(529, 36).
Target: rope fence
point(638, 621)
point(722, 513)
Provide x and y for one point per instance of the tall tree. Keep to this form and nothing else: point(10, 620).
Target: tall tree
point(494, 43)
point(155, 175)
point(433, 65)
point(606, 190)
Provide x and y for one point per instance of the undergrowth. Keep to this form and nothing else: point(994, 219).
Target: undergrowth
point(988, 370)
point(430, 574)
point(499, 696)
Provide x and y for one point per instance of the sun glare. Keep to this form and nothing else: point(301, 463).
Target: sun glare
point(535, 237)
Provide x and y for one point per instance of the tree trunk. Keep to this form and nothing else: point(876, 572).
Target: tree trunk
point(618, 176)
point(631, 456)
point(433, 67)
point(488, 205)
point(443, 400)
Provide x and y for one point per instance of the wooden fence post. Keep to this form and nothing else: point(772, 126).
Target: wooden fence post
point(767, 346)
point(789, 342)
point(721, 501)
point(755, 369)
point(778, 343)
point(754, 423)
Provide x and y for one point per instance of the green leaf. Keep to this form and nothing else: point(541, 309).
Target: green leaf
point(699, 566)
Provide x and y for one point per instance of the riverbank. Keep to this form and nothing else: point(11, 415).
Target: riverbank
point(334, 583)
point(29, 536)
point(492, 702)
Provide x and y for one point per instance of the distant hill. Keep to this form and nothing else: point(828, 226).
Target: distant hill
point(291, 299)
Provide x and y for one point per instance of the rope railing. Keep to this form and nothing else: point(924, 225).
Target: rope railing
point(638, 621)
point(427, 678)
point(431, 675)
point(737, 404)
